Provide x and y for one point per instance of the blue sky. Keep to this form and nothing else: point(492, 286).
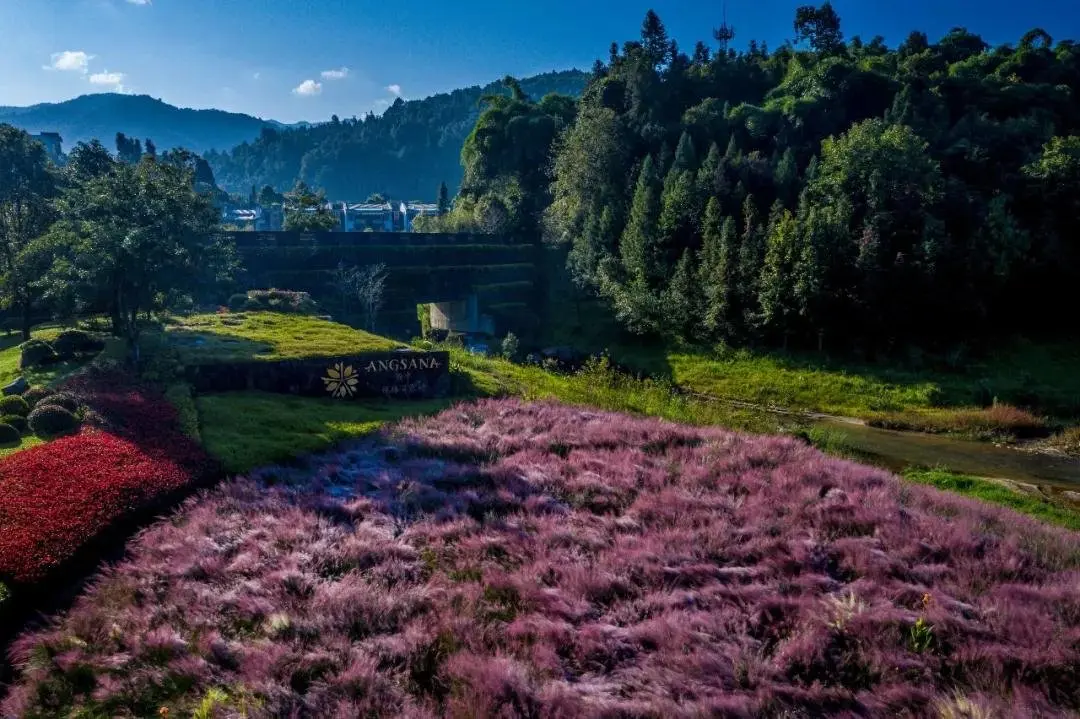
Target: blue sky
point(307, 59)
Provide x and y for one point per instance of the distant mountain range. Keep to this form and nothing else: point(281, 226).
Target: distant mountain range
point(141, 116)
point(403, 153)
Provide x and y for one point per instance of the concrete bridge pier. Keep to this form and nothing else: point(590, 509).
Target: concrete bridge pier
point(461, 316)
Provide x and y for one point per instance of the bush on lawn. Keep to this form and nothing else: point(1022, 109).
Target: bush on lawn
point(70, 343)
point(14, 405)
point(37, 393)
point(9, 435)
point(15, 421)
point(238, 302)
point(62, 399)
point(280, 301)
point(50, 420)
point(36, 353)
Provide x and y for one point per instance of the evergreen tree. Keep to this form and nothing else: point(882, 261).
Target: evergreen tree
point(444, 199)
point(654, 39)
point(678, 225)
point(751, 258)
point(716, 274)
point(708, 174)
point(779, 306)
point(682, 299)
point(640, 245)
point(786, 177)
point(685, 157)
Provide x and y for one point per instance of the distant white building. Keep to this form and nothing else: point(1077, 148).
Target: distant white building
point(378, 217)
point(413, 210)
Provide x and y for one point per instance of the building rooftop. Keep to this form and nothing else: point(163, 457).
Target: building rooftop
point(370, 208)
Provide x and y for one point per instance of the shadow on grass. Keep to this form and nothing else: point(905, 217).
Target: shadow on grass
point(203, 347)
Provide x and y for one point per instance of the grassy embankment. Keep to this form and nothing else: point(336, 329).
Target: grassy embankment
point(983, 400)
point(247, 430)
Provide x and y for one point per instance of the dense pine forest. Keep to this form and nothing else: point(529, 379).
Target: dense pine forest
point(832, 192)
point(403, 154)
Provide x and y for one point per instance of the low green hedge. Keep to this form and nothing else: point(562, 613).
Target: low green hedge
point(14, 405)
point(50, 420)
point(9, 435)
point(15, 421)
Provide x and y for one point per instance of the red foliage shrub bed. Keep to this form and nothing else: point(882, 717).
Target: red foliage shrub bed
point(504, 559)
point(56, 497)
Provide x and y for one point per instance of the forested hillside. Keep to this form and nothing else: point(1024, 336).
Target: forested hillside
point(404, 153)
point(831, 192)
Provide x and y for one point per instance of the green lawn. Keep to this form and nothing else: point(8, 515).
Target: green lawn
point(606, 389)
point(245, 336)
point(251, 429)
point(10, 353)
point(930, 398)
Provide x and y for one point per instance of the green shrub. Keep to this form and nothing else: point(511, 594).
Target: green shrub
point(15, 421)
point(280, 301)
point(5, 594)
point(14, 405)
point(50, 420)
point(179, 395)
point(510, 346)
point(238, 302)
point(74, 342)
point(37, 393)
point(62, 399)
point(9, 435)
point(37, 352)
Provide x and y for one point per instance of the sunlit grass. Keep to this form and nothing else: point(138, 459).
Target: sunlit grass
point(246, 336)
point(605, 389)
point(10, 353)
point(245, 430)
point(1045, 377)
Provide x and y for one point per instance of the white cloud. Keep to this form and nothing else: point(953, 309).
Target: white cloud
point(140, 2)
point(394, 90)
point(70, 61)
point(308, 88)
point(112, 80)
point(339, 74)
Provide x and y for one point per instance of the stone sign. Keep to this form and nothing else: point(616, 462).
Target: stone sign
point(401, 374)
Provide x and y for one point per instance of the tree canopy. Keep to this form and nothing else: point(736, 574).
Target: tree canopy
point(834, 188)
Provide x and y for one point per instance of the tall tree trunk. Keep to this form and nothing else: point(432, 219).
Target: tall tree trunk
point(118, 312)
point(25, 307)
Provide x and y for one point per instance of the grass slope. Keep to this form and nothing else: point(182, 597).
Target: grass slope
point(245, 430)
point(1045, 376)
point(246, 336)
point(510, 559)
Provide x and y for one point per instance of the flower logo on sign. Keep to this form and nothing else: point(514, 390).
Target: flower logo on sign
point(340, 380)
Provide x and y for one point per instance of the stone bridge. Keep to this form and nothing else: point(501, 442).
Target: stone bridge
point(484, 284)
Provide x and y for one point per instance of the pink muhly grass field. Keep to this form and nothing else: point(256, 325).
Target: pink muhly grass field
point(510, 559)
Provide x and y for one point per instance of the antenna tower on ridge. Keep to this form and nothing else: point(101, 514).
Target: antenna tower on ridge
point(725, 33)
